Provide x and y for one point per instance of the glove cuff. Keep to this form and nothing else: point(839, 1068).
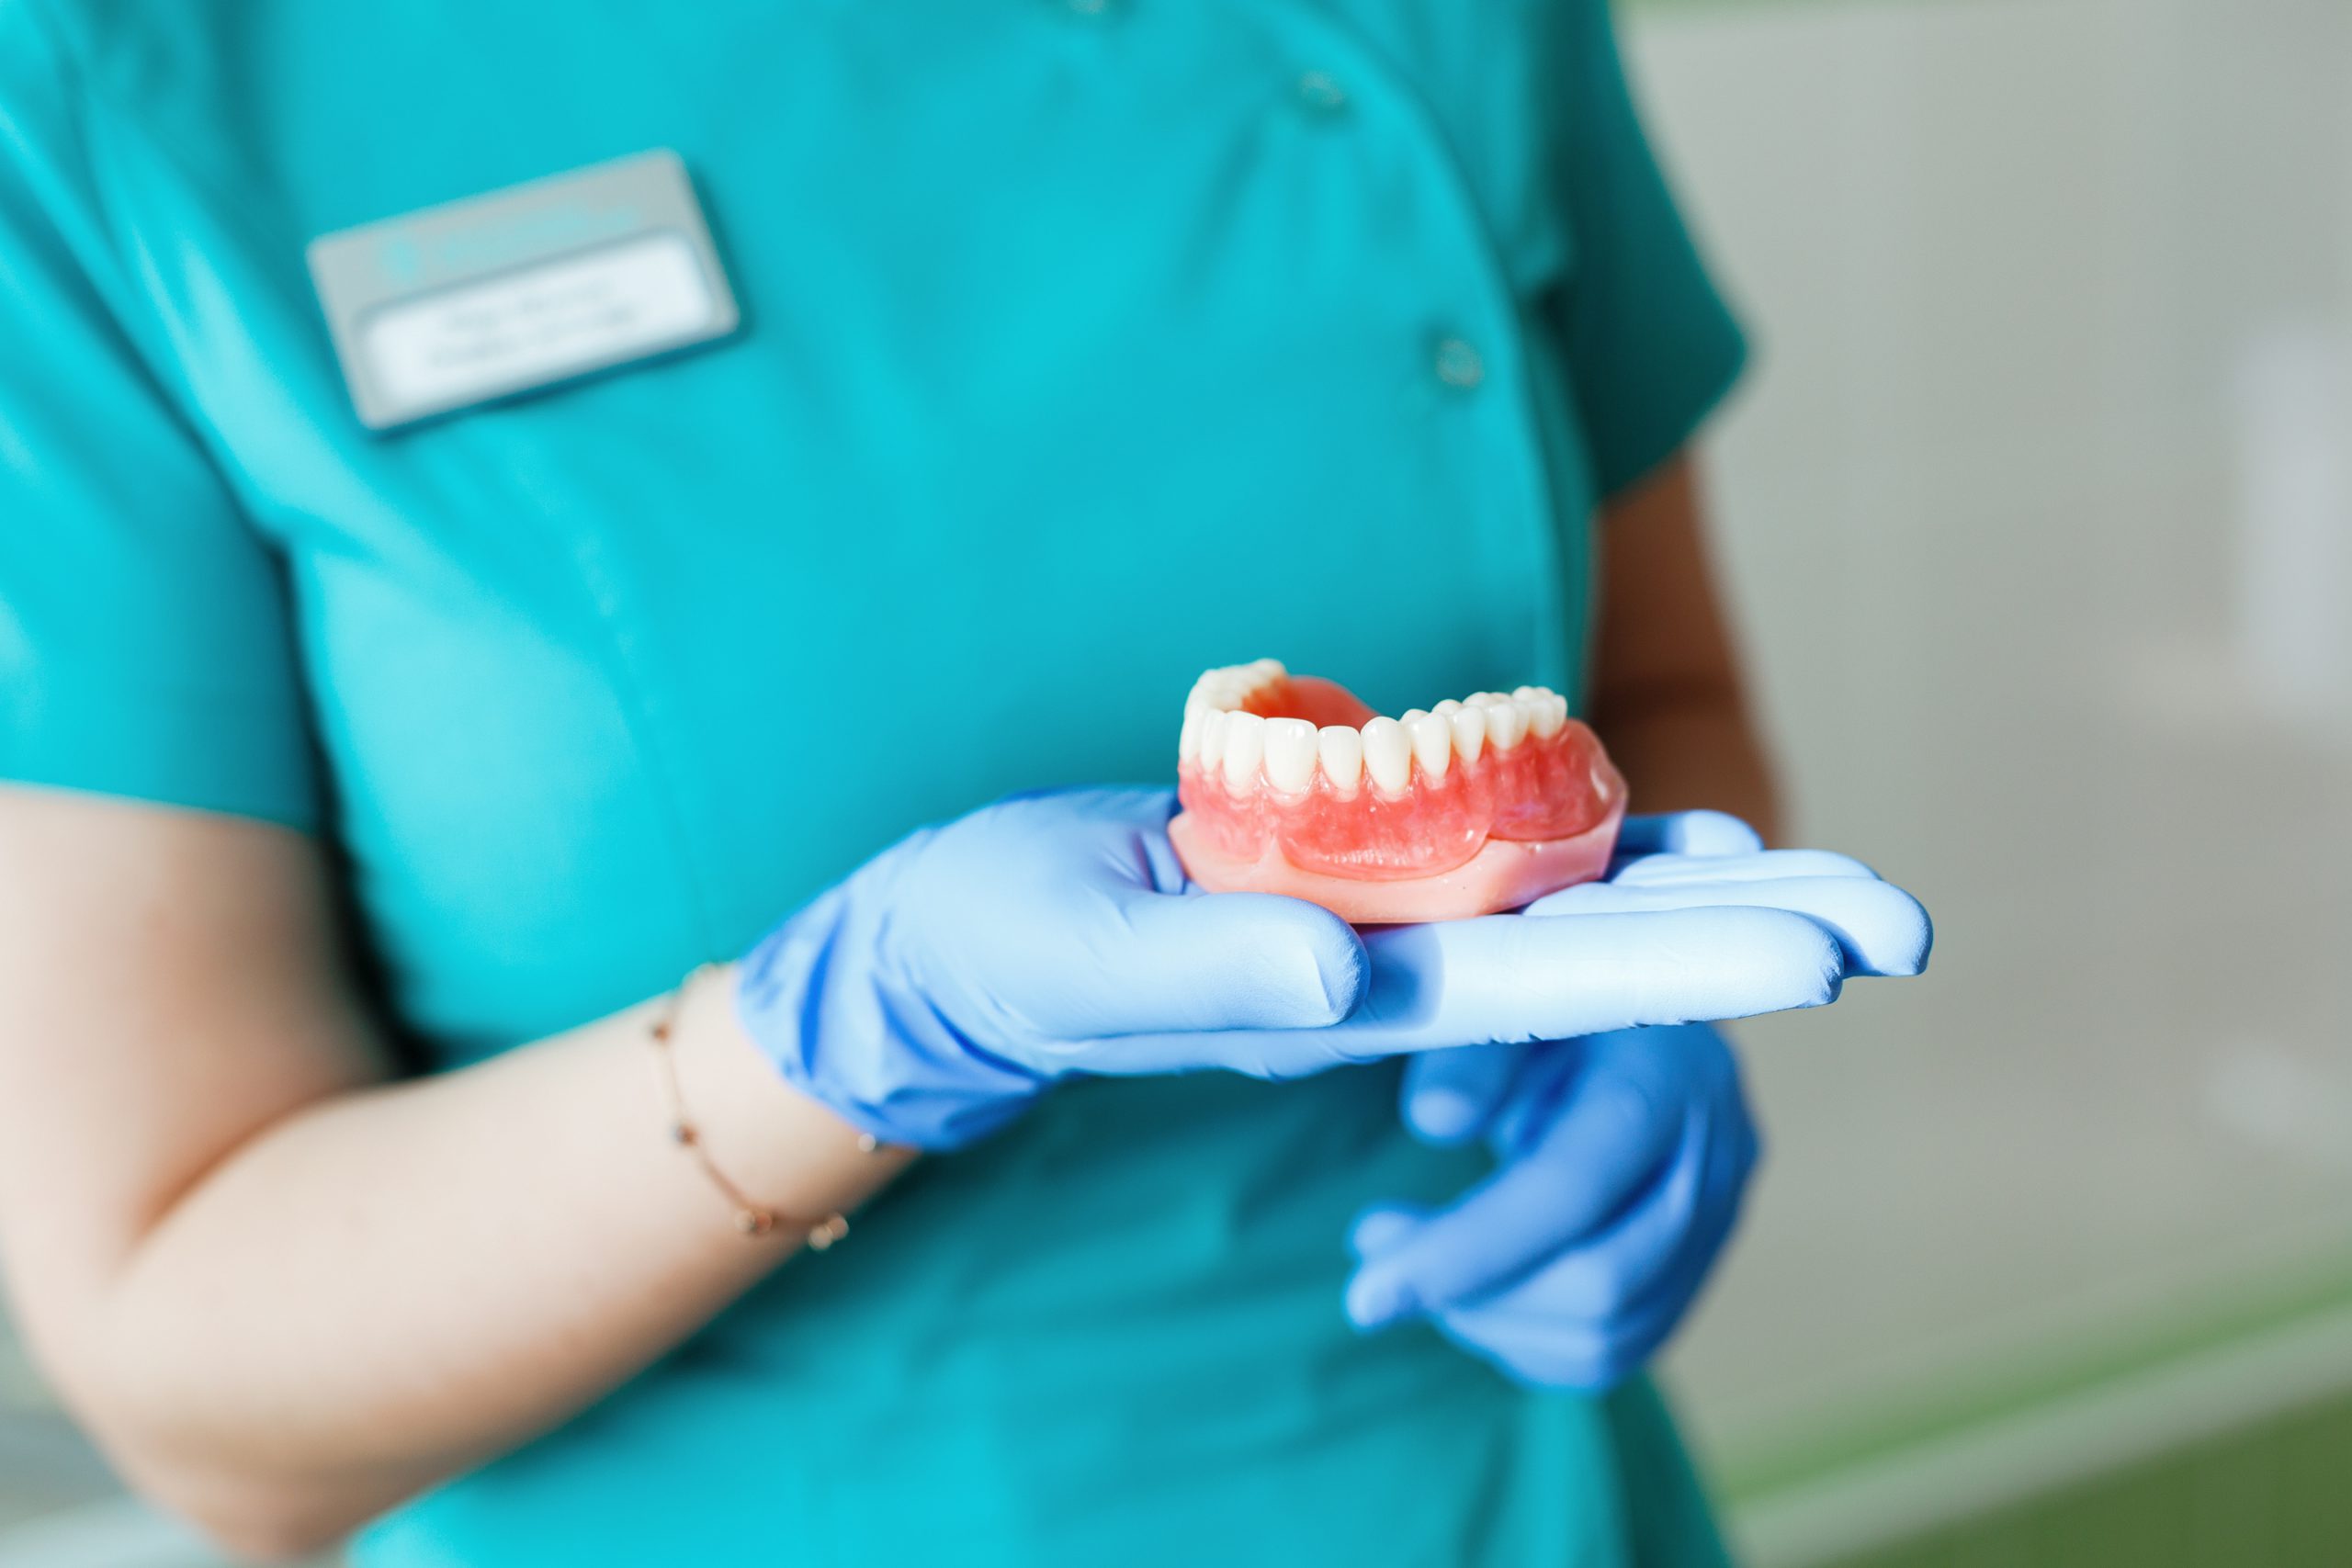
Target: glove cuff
point(866, 1048)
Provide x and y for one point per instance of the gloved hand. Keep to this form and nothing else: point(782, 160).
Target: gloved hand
point(1622, 1154)
point(932, 995)
point(1696, 922)
point(1623, 1158)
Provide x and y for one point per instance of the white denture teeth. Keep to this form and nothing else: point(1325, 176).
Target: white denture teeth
point(1213, 738)
point(1506, 724)
point(1216, 693)
point(1290, 754)
point(1387, 754)
point(1433, 737)
point(1341, 750)
point(1469, 726)
point(1230, 686)
point(1245, 747)
point(1546, 710)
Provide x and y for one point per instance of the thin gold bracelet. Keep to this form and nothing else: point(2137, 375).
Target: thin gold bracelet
point(754, 1220)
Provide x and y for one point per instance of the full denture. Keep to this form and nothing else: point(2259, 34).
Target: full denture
point(1292, 784)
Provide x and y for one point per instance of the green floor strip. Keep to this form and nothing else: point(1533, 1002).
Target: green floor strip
point(2161, 1338)
point(2276, 1495)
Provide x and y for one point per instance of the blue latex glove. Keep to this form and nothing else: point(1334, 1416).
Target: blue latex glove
point(930, 996)
point(1622, 1155)
point(1623, 1158)
point(1695, 923)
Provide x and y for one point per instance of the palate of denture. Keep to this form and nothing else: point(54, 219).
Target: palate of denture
point(1292, 784)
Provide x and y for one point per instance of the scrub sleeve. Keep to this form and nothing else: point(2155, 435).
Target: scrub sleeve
point(1652, 347)
point(144, 644)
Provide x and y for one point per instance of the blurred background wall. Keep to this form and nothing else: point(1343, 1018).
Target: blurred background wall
point(2039, 512)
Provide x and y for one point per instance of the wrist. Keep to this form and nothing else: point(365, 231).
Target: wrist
point(783, 1150)
point(819, 999)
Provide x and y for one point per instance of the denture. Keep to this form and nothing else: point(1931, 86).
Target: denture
point(1292, 784)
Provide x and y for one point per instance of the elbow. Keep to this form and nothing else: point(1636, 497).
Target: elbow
point(244, 1518)
point(245, 1507)
point(249, 1505)
point(253, 1538)
point(272, 1539)
point(245, 1512)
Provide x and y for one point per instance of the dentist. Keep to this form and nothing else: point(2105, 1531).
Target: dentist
point(512, 521)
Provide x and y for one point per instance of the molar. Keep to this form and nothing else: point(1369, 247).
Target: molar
point(1290, 754)
point(1245, 747)
point(1228, 686)
point(1341, 750)
point(1387, 754)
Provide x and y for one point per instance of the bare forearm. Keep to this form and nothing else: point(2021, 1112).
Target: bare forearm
point(1682, 751)
point(1669, 691)
point(392, 1283)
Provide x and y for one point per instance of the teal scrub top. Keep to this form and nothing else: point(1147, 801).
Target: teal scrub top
point(1086, 344)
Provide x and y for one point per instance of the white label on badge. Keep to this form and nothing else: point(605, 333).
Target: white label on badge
point(558, 319)
point(520, 290)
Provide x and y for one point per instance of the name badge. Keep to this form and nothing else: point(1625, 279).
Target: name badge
point(523, 289)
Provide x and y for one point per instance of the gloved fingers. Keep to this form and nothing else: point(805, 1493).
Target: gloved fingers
point(1651, 871)
point(1539, 1337)
point(1608, 1141)
point(1686, 833)
point(1451, 1097)
point(1528, 1111)
point(1681, 1218)
point(1382, 1227)
point(1619, 1265)
point(1552, 1351)
point(1508, 978)
point(1527, 1337)
point(1541, 1351)
point(1149, 962)
point(1881, 929)
point(1061, 916)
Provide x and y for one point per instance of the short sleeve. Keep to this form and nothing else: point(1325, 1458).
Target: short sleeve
point(144, 640)
point(1652, 347)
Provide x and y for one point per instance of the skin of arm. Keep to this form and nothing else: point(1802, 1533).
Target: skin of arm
point(284, 1290)
point(1668, 696)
